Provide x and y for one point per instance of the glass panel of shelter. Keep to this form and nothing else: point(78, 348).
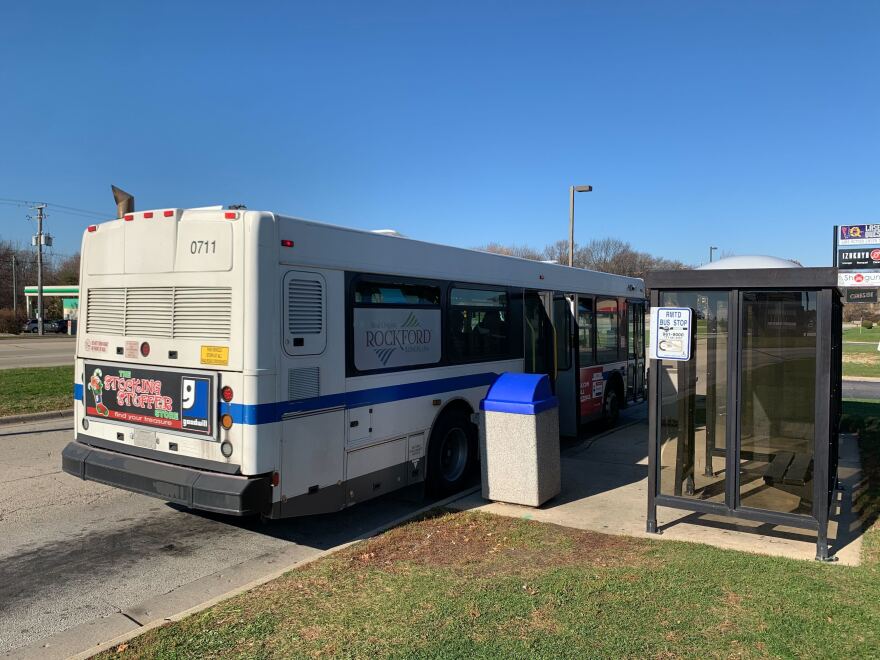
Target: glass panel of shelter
point(691, 457)
point(776, 427)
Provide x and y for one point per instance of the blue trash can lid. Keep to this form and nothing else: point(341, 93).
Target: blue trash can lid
point(522, 394)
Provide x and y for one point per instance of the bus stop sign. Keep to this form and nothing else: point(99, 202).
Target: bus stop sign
point(671, 333)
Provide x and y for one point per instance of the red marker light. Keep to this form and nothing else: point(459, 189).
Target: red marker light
point(148, 214)
point(128, 217)
point(145, 349)
point(93, 228)
point(286, 243)
point(230, 215)
point(276, 479)
point(168, 214)
point(226, 393)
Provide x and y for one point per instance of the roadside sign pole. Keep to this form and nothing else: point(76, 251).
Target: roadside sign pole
point(40, 208)
point(834, 256)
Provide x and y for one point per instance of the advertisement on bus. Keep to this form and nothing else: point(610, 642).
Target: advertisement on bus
point(161, 399)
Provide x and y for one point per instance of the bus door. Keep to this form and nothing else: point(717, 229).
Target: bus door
point(635, 382)
point(540, 353)
point(549, 328)
point(591, 383)
point(566, 364)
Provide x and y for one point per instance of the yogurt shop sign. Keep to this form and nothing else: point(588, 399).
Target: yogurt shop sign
point(386, 338)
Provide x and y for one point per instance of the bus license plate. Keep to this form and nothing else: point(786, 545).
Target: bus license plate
point(160, 399)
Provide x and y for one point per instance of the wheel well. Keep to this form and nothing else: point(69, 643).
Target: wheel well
point(616, 381)
point(455, 405)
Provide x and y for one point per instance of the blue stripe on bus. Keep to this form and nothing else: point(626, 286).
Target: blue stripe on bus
point(266, 413)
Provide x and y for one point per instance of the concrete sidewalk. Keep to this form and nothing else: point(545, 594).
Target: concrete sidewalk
point(605, 489)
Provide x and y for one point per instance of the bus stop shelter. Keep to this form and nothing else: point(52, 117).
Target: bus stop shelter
point(746, 425)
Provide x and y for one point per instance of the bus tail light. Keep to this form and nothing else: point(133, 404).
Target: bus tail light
point(286, 243)
point(226, 448)
point(276, 479)
point(145, 349)
point(226, 393)
point(226, 421)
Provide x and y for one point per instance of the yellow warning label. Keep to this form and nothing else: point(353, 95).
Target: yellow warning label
point(215, 355)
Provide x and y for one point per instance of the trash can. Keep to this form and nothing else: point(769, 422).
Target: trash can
point(519, 440)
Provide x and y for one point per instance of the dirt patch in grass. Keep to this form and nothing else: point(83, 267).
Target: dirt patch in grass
point(489, 544)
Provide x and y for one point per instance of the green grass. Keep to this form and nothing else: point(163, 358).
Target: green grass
point(35, 389)
point(862, 334)
point(474, 585)
point(861, 360)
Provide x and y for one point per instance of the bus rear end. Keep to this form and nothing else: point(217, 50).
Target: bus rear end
point(160, 361)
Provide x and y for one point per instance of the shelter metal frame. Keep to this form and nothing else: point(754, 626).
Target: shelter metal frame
point(827, 409)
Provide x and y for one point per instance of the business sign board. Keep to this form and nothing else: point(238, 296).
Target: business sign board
point(149, 397)
point(858, 234)
point(859, 258)
point(386, 338)
point(858, 278)
point(861, 295)
point(671, 329)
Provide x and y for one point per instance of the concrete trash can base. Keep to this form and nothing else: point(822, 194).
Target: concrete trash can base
point(519, 440)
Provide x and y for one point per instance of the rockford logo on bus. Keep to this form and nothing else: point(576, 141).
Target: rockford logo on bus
point(149, 397)
point(395, 338)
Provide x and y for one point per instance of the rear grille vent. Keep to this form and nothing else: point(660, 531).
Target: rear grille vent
point(303, 383)
point(106, 309)
point(165, 312)
point(305, 311)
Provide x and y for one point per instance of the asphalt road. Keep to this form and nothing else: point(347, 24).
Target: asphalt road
point(36, 351)
point(861, 389)
point(72, 551)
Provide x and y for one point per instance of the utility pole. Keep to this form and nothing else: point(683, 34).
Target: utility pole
point(14, 290)
point(571, 191)
point(39, 241)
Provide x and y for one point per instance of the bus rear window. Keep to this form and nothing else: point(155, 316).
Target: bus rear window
point(383, 293)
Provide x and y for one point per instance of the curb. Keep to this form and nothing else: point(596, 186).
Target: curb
point(69, 643)
point(35, 417)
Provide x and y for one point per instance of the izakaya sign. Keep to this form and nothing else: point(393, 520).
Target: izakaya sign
point(386, 338)
point(858, 259)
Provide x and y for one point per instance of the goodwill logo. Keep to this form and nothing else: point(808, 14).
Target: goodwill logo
point(386, 338)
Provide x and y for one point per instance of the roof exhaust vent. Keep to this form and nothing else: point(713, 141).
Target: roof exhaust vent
point(124, 201)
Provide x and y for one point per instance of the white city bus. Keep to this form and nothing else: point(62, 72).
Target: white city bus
point(244, 362)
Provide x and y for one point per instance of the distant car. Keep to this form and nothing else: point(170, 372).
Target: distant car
point(48, 326)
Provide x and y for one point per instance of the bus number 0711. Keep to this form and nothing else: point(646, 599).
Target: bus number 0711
point(203, 247)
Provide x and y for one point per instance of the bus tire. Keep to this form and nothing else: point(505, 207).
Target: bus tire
point(452, 453)
point(611, 404)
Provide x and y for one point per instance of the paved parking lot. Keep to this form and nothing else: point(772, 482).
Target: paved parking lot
point(36, 351)
point(73, 551)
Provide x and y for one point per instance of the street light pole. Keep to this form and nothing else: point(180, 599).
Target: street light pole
point(572, 190)
point(712, 248)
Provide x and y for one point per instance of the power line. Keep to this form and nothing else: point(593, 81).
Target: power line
point(69, 209)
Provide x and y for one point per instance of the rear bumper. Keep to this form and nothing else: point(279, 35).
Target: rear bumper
point(197, 489)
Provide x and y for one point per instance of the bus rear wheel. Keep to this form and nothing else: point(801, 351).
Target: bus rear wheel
point(452, 454)
point(611, 406)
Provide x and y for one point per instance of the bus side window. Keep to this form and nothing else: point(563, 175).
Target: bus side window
point(585, 331)
point(479, 327)
point(606, 330)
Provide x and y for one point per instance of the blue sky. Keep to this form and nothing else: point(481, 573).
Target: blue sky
point(752, 126)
